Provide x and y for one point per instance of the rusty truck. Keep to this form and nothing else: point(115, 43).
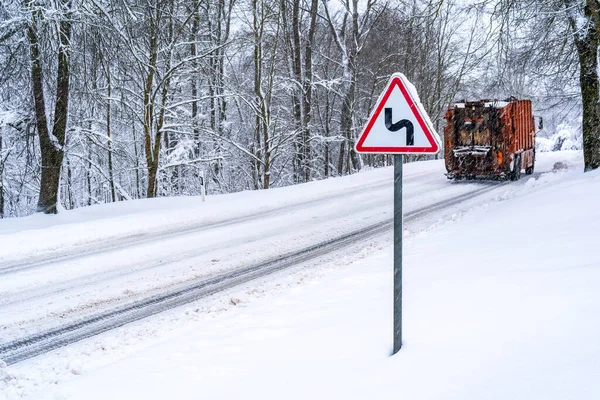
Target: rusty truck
point(489, 139)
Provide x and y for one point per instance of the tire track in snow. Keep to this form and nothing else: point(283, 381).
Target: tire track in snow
point(74, 285)
point(164, 262)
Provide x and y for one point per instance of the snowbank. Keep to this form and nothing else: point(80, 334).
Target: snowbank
point(565, 138)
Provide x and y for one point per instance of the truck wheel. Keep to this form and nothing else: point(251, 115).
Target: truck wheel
point(529, 170)
point(516, 173)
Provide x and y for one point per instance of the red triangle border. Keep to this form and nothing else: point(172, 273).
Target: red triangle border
point(434, 147)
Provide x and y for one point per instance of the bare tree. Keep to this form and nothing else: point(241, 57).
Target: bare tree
point(584, 19)
point(563, 28)
point(51, 142)
point(350, 31)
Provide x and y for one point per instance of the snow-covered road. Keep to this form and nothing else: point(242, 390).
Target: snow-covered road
point(91, 272)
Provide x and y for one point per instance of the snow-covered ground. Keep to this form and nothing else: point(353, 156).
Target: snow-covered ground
point(500, 302)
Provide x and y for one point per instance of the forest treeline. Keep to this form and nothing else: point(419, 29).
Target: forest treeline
point(109, 100)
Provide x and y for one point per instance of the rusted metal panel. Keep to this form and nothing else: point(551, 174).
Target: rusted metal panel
point(484, 138)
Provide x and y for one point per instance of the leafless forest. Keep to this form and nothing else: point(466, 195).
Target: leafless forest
point(111, 100)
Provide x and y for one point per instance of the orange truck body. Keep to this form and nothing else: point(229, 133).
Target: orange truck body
point(489, 139)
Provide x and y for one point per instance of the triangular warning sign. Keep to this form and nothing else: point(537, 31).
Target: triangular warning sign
point(398, 123)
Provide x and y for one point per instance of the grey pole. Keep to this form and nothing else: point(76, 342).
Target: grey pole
point(398, 161)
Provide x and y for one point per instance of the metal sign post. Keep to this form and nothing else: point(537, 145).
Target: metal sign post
point(398, 161)
point(398, 125)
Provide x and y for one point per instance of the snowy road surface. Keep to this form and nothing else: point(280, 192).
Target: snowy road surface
point(283, 338)
point(41, 295)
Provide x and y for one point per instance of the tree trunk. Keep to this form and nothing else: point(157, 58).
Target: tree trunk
point(340, 168)
point(51, 145)
point(111, 177)
point(88, 175)
point(156, 127)
point(137, 164)
point(258, 97)
point(71, 203)
point(353, 59)
point(307, 92)
point(90, 154)
point(347, 127)
point(151, 163)
point(299, 97)
point(291, 37)
point(194, 78)
point(1, 180)
point(587, 49)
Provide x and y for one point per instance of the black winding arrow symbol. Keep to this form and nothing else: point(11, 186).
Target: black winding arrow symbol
point(403, 123)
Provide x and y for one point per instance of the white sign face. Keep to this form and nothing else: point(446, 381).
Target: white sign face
point(398, 124)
